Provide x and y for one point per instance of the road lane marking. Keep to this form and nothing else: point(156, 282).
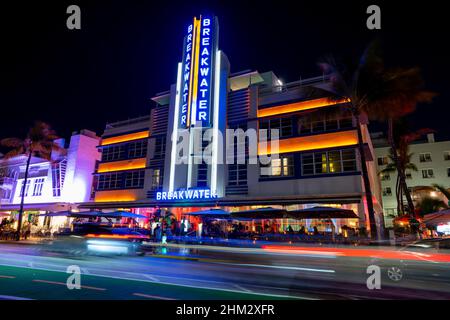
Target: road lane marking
point(148, 276)
point(65, 284)
point(242, 288)
point(152, 296)
point(13, 298)
point(281, 267)
point(7, 277)
point(177, 285)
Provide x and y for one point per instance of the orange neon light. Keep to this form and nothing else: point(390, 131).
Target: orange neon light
point(321, 141)
point(298, 106)
point(115, 196)
point(122, 165)
point(125, 137)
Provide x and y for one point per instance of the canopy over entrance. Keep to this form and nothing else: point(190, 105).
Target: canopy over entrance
point(322, 213)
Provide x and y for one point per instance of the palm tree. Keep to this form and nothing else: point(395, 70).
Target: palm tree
point(404, 160)
point(444, 191)
point(379, 93)
point(38, 142)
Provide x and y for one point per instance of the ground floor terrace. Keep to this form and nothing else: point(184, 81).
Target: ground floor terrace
point(176, 219)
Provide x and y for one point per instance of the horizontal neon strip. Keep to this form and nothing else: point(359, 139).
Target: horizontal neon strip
point(121, 165)
point(125, 137)
point(115, 196)
point(115, 236)
point(298, 106)
point(321, 141)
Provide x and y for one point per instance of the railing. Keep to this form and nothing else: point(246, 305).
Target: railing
point(295, 85)
point(127, 122)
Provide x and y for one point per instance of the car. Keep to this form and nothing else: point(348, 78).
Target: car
point(422, 260)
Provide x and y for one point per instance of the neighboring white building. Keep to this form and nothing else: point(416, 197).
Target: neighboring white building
point(59, 184)
point(432, 159)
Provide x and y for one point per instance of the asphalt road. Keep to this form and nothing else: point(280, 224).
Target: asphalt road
point(28, 272)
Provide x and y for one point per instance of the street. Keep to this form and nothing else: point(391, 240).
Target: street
point(196, 272)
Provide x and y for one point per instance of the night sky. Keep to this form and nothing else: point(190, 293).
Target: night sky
point(127, 51)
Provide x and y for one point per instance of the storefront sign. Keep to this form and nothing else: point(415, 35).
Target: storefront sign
point(191, 194)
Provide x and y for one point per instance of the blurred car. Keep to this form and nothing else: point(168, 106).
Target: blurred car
point(91, 238)
point(421, 260)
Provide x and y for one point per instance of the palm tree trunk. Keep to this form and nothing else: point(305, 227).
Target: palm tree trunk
point(22, 198)
point(365, 173)
point(400, 171)
point(398, 196)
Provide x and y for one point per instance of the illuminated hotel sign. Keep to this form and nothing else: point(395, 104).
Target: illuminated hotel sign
point(191, 194)
point(199, 49)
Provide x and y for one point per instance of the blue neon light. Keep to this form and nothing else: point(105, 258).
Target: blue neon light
point(190, 194)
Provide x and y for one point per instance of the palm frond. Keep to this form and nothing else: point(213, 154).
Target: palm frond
point(11, 142)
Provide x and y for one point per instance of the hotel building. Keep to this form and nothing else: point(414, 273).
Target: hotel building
point(318, 161)
point(56, 185)
point(432, 159)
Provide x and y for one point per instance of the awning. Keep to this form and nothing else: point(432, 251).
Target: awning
point(211, 213)
point(70, 214)
point(261, 213)
point(322, 213)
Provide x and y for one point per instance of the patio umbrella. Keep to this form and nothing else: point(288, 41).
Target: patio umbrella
point(322, 213)
point(261, 213)
point(210, 213)
point(122, 214)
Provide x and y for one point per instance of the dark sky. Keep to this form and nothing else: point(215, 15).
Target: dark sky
point(126, 51)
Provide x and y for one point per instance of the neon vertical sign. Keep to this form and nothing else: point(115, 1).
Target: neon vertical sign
point(205, 71)
point(186, 85)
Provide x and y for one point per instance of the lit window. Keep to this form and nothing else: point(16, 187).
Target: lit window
point(385, 176)
point(281, 167)
point(336, 161)
point(156, 179)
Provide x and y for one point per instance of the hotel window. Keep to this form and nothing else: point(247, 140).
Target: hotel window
point(448, 172)
point(160, 148)
point(137, 149)
point(134, 179)
point(427, 173)
point(328, 162)
point(5, 193)
point(408, 174)
point(385, 176)
point(58, 174)
point(425, 157)
point(387, 192)
point(446, 155)
point(109, 181)
point(38, 184)
point(284, 126)
point(281, 167)
point(382, 161)
point(321, 123)
point(237, 174)
point(156, 179)
point(112, 153)
point(27, 187)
